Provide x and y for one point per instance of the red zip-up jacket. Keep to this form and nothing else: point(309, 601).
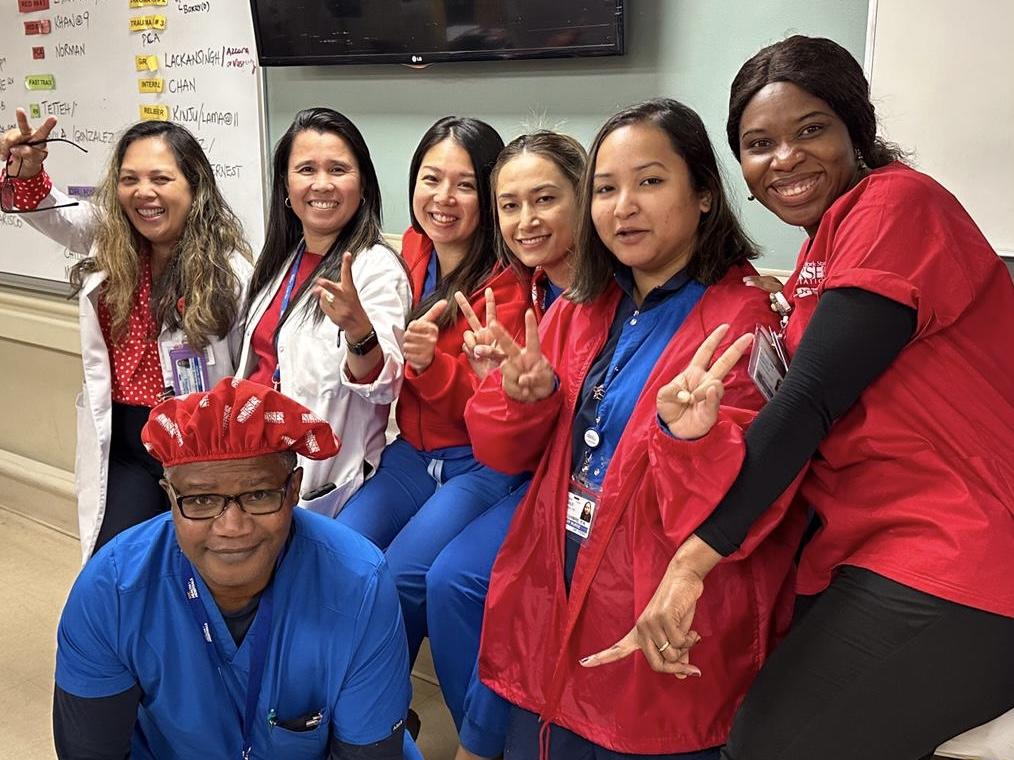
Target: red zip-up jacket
point(431, 406)
point(652, 499)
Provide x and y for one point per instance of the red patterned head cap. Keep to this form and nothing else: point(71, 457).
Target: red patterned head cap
point(237, 419)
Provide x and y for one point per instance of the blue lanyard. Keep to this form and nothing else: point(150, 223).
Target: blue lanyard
point(276, 378)
point(637, 351)
point(259, 635)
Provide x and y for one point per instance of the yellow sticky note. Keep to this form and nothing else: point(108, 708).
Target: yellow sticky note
point(146, 62)
point(40, 82)
point(155, 112)
point(150, 85)
point(143, 23)
point(145, 3)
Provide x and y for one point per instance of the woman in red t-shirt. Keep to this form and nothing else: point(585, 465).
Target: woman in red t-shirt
point(900, 391)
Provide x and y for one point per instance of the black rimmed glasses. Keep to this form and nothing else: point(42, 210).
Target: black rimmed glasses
point(7, 188)
point(209, 506)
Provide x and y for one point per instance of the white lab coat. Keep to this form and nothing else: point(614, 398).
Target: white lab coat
point(74, 228)
point(313, 363)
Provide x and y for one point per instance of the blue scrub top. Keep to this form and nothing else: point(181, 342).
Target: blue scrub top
point(337, 646)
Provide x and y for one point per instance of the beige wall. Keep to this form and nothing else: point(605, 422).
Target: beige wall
point(41, 359)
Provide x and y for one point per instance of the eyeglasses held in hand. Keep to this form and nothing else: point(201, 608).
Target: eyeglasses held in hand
point(7, 188)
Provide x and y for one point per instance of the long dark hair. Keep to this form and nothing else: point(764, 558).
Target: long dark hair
point(721, 242)
point(563, 151)
point(482, 143)
point(198, 292)
point(827, 71)
point(284, 228)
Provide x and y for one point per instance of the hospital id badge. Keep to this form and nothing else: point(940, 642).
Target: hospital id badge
point(581, 504)
point(190, 370)
point(768, 363)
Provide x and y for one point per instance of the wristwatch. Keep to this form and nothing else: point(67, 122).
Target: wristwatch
point(364, 346)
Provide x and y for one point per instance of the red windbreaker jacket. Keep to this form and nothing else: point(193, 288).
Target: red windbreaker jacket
point(651, 500)
point(431, 406)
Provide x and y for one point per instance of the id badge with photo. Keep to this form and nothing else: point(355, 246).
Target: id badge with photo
point(581, 504)
point(767, 365)
point(190, 370)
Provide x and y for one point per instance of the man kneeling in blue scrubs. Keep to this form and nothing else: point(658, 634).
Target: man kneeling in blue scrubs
point(236, 626)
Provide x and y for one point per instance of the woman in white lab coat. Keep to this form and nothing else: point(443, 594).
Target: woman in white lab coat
point(160, 286)
point(328, 299)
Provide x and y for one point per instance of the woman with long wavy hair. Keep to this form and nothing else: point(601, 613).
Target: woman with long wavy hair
point(160, 291)
point(328, 299)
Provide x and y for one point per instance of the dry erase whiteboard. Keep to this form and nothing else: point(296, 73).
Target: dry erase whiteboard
point(942, 77)
point(197, 61)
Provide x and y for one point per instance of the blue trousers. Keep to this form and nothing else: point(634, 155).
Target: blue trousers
point(413, 506)
point(456, 594)
point(523, 743)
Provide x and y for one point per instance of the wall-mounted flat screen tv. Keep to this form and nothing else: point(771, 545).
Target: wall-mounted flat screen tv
point(314, 32)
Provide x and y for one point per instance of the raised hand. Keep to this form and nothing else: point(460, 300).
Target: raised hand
point(527, 373)
point(340, 301)
point(23, 160)
point(478, 344)
point(688, 404)
point(421, 335)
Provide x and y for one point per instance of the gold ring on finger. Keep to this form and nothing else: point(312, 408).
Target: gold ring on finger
point(664, 646)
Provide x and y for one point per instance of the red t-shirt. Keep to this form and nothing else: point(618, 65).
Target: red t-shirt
point(262, 342)
point(916, 480)
point(136, 370)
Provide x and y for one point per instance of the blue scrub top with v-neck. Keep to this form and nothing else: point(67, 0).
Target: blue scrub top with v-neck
point(337, 646)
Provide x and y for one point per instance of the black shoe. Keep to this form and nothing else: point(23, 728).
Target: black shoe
point(413, 724)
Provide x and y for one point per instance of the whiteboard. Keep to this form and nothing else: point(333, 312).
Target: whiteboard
point(942, 79)
point(204, 61)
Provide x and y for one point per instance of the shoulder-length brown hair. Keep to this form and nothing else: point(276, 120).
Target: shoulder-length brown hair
point(199, 275)
point(721, 241)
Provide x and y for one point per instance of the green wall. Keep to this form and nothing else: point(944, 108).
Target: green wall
point(686, 49)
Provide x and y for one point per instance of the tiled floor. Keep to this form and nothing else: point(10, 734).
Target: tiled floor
point(37, 568)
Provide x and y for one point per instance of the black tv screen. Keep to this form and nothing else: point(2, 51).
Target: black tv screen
point(312, 32)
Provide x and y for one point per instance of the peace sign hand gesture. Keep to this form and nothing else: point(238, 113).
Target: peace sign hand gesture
point(688, 405)
point(479, 344)
point(340, 301)
point(25, 160)
point(527, 373)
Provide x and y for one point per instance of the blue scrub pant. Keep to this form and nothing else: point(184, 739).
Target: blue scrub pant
point(456, 594)
point(411, 752)
point(412, 508)
point(523, 743)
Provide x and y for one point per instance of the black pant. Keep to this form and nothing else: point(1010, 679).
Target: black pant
point(876, 670)
point(133, 494)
